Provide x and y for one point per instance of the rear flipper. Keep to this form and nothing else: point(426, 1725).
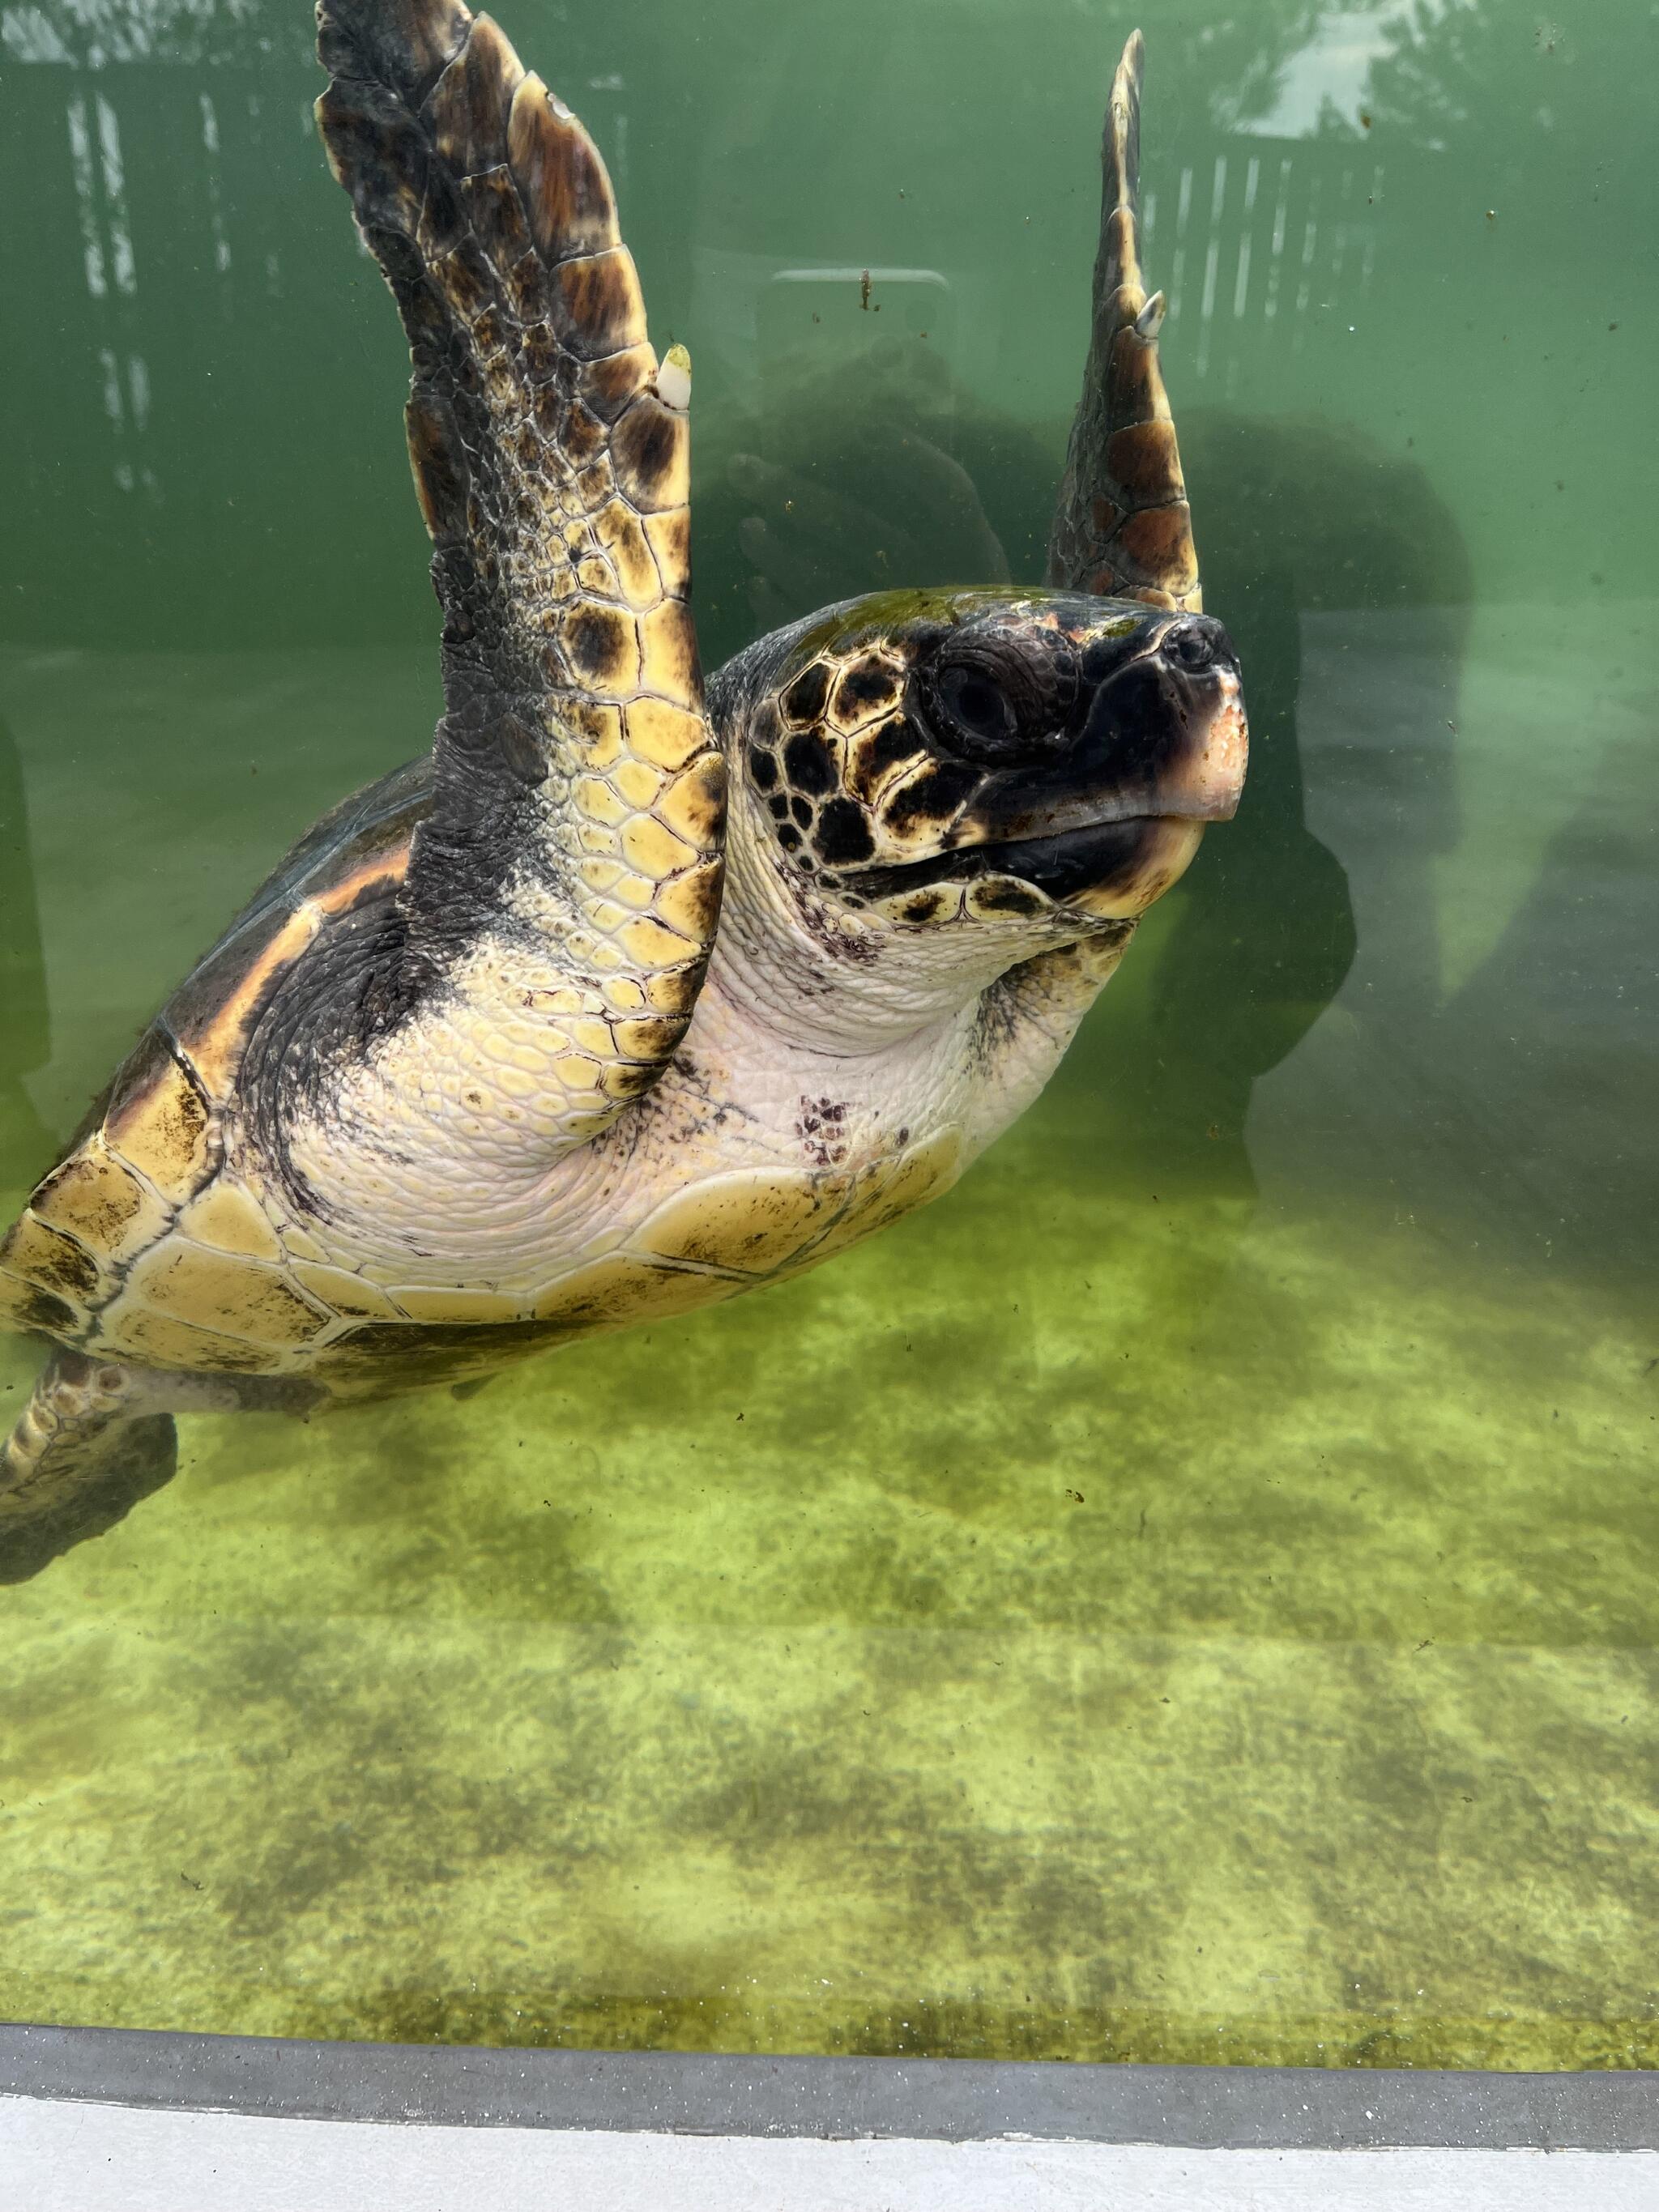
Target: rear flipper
point(88, 1446)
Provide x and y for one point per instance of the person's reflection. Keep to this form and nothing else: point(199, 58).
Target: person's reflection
point(26, 1143)
point(885, 475)
point(876, 475)
point(1259, 937)
point(1260, 934)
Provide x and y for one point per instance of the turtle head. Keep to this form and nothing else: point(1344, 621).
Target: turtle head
point(983, 774)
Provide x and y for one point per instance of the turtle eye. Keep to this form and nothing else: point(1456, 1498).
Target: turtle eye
point(970, 700)
point(999, 697)
point(1192, 645)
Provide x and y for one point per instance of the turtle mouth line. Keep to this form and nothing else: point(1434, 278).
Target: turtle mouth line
point(1062, 861)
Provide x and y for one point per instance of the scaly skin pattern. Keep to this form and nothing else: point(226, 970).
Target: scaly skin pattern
point(561, 898)
point(488, 1065)
point(853, 1047)
point(840, 1068)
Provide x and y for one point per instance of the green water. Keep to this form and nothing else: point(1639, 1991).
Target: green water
point(1190, 1594)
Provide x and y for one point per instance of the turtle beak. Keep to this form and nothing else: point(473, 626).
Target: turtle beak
point(1163, 731)
point(1154, 748)
point(1166, 739)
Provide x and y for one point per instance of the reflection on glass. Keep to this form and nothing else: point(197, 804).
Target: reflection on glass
point(25, 1035)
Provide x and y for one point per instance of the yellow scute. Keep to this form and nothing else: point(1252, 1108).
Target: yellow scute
point(158, 1340)
point(926, 1171)
point(612, 1292)
point(422, 1304)
point(751, 1223)
point(163, 1132)
point(94, 1198)
point(231, 1296)
point(45, 1256)
point(229, 1218)
point(343, 1292)
point(26, 1306)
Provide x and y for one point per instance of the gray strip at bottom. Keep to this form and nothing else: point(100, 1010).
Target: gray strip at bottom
point(946, 2100)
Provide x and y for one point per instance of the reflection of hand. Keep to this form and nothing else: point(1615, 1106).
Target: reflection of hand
point(809, 546)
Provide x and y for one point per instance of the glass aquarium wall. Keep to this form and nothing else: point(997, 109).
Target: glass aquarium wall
point(1189, 1593)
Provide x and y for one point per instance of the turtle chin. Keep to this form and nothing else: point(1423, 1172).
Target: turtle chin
point(1115, 872)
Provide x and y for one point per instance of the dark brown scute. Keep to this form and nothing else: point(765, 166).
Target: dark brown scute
point(607, 385)
point(1121, 525)
point(561, 177)
point(598, 638)
point(803, 701)
point(648, 452)
point(934, 794)
point(843, 835)
point(1158, 542)
point(469, 105)
point(808, 764)
point(1143, 459)
point(407, 43)
point(600, 310)
point(437, 461)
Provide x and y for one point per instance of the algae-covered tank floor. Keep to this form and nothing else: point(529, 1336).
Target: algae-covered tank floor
point(1140, 1607)
point(1192, 1643)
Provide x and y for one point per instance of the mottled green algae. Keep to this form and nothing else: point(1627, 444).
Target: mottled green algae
point(1189, 1641)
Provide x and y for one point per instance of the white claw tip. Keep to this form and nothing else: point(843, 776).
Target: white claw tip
point(674, 379)
point(1149, 320)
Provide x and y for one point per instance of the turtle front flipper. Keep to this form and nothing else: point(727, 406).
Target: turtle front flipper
point(561, 900)
point(1122, 526)
point(86, 1448)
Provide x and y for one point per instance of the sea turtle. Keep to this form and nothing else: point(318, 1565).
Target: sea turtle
point(626, 997)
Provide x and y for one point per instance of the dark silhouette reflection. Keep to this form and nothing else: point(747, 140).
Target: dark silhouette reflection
point(883, 473)
point(1296, 520)
point(1260, 939)
point(26, 1143)
point(1546, 1062)
point(876, 474)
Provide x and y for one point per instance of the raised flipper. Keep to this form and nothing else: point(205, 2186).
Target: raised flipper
point(562, 899)
point(85, 1450)
point(1122, 526)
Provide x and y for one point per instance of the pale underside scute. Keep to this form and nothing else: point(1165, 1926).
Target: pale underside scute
point(150, 1177)
point(187, 1303)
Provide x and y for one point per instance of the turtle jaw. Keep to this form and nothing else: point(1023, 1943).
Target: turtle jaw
point(1103, 840)
point(1158, 743)
point(1161, 854)
point(1106, 871)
